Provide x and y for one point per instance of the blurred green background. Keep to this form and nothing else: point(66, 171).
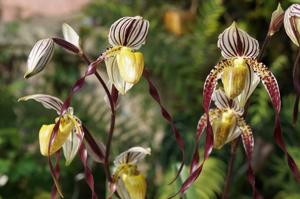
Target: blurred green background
point(180, 50)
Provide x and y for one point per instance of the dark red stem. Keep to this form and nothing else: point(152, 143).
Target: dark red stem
point(112, 122)
point(234, 146)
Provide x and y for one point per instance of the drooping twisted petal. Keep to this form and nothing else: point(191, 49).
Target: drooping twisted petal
point(167, 116)
point(248, 142)
point(87, 171)
point(132, 156)
point(39, 57)
point(211, 82)
point(292, 23)
point(196, 168)
point(271, 85)
point(129, 31)
point(95, 148)
point(48, 101)
point(115, 76)
point(235, 42)
point(269, 82)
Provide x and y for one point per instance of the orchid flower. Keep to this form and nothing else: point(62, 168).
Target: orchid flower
point(227, 124)
point(130, 183)
point(123, 64)
point(240, 72)
point(292, 29)
point(70, 133)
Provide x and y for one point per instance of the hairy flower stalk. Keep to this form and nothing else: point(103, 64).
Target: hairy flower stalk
point(225, 123)
point(292, 29)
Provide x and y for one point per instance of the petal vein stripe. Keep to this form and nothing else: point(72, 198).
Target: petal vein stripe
point(235, 42)
point(129, 31)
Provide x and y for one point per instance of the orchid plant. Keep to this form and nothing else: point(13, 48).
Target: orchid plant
point(291, 25)
point(240, 72)
point(125, 67)
point(229, 86)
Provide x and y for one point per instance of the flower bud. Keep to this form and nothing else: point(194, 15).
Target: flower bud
point(223, 128)
point(130, 64)
point(292, 23)
point(65, 128)
point(276, 20)
point(234, 78)
point(39, 57)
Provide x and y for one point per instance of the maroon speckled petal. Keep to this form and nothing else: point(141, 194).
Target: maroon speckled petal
point(269, 81)
point(271, 85)
point(211, 82)
point(196, 169)
point(200, 129)
point(280, 142)
point(248, 142)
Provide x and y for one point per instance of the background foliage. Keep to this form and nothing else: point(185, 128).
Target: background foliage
point(180, 65)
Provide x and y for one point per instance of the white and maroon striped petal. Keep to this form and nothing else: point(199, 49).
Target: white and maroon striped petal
point(222, 102)
point(132, 156)
point(235, 42)
point(220, 99)
point(48, 101)
point(269, 81)
point(129, 31)
point(291, 22)
point(211, 82)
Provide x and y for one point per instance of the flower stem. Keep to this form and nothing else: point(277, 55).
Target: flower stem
point(234, 146)
point(263, 48)
point(112, 121)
